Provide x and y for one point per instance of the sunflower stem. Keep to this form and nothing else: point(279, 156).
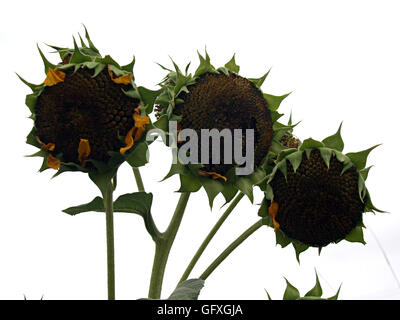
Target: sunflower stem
point(163, 247)
point(108, 205)
point(138, 178)
point(211, 234)
point(230, 248)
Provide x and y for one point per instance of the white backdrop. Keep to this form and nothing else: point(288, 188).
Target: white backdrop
point(340, 59)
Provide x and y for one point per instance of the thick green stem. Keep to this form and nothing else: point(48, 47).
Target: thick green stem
point(163, 247)
point(108, 205)
point(212, 233)
point(230, 248)
point(138, 179)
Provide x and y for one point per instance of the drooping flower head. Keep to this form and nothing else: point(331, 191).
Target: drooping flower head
point(88, 113)
point(219, 99)
point(316, 195)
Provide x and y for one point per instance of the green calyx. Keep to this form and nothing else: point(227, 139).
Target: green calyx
point(87, 57)
point(292, 293)
point(174, 87)
point(330, 151)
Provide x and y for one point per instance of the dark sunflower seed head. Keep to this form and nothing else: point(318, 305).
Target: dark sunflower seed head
point(317, 205)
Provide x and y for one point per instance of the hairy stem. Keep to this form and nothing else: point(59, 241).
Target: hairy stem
point(211, 234)
point(230, 248)
point(163, 247)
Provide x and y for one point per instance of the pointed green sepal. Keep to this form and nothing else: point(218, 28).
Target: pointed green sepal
point(34, 87)
point(274, 101)
point(47, 63)
point(359, 159)
point(91, 45)
point(299, 247)
point(205, 65)
point(245, 185)
point(291, 293)
point(78, 57)
point(259, 82)
point(311, 144)
point(139, 156)
point(326, 155)
point(212, 188)
point(356, 235)
point(317, 290)
point(335, 141)
point(148, 97)
point(281, 238)
point(129, 67)
point(364, 172)
point(295, 159)
point(232, 66)
point(336, 296)
point(189, 183)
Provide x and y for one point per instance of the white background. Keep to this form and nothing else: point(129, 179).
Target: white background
point(340, 59)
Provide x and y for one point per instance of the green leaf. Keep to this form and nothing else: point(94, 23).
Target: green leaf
point(187, 290)
point(47, 63)
point(317, 290)
point(291, 293)
point(96, 205)
point(139, 155)
point(311, 144)
point(335, 141)
point(359, 159)
point(356, 235)
point(274, 101)
point(137, 202)
point(232, 66)
point(259, 82)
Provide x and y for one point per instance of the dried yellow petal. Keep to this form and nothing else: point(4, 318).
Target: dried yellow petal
point(46, 146)
point(273, 211)
point(125, 79)
point(128, 141)
point(83, 151)
point(53, 162)
point(53, 77)
point(214, 175)
point(140, 121)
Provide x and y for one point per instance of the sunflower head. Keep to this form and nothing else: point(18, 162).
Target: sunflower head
point(88, 113)
point(218, 99)
point(316, 195)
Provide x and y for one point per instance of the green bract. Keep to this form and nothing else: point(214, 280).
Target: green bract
point(220, 99)
point(85, 111)
point(292, 293)
point(315, 195)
